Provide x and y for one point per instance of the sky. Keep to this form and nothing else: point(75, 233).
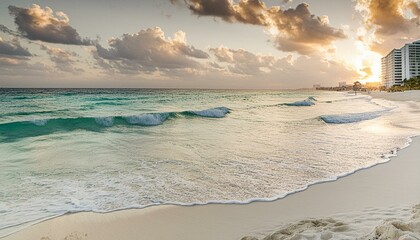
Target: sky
point(240, 44)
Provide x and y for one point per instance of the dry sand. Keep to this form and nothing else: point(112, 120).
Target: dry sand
point(349, 208)
point(398, 96)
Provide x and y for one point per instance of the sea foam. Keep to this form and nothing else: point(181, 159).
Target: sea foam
point(105, 121)
point(150, 119)
point(218, 112)
point(40, 122)
point(310, 101)
point(21, 129)
point(100, 159)
point(351, 117)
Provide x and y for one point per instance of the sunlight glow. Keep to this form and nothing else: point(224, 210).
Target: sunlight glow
point(368, 64)
point(273, 31)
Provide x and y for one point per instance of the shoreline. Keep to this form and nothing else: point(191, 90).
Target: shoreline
point(388, 158)
point(121, 224)
point(381, 185)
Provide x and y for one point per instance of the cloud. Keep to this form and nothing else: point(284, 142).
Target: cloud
point(218, 8)
point(36, 23)
point(305, 71)
point(246, 11)
point(243, 62)
point(12, 48)
point(9, 31)
point(149, 51)
point(388, 24)
point(16, 68)
point(387, 16)
point(414, 7)
point(367, 71)
point(256, 70)
point(298, 29)
point(301, 31)
point(150, 55)
point(63, 59)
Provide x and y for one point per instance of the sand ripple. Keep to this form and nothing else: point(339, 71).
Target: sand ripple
point(331, 228)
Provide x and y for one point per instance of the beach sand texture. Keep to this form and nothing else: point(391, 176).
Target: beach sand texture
point(413, 95)
point(375, 203)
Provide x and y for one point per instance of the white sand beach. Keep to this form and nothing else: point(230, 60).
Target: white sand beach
point(413, 95)
point(379, 202)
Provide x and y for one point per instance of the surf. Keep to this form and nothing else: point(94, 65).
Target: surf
point(37, 127)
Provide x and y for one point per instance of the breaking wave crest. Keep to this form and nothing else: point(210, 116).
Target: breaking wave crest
point(310, 101)
point(16, 130)
point(219, 112)
point(150, 119)
point(351, 117)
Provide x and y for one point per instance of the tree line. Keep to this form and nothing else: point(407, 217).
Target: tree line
point(408, 84)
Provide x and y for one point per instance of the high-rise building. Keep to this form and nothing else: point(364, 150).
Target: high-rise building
point(392, 68)
point(410, 55)
point(401, 64)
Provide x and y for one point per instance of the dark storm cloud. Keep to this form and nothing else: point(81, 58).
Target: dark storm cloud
point(36, 23)
point(298, 29)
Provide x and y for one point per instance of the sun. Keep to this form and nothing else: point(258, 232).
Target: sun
point(368, 64)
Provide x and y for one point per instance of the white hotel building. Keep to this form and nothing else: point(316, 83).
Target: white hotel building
point(401, 64)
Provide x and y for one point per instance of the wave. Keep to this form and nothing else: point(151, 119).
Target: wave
point(351, 117)
point(310, 101)
point(69, 93)
point(347, 99)
point(27, 113)
point(16, 130)
point(99, 99)
point(383, 160)
point(24, 97)
point(110, 103)
point(219, 112)
point(150, 119)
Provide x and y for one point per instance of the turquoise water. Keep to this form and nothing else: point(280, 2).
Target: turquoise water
point(71, 150)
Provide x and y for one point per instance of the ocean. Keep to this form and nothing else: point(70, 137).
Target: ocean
point(101, 150)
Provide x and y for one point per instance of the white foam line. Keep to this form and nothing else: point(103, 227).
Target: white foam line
point(387, 158)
